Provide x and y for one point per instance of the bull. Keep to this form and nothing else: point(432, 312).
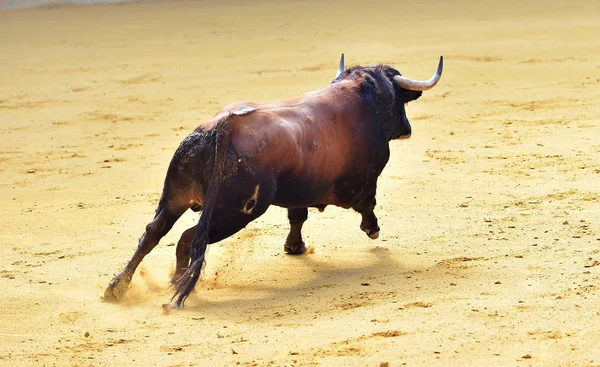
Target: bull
point(326, 147)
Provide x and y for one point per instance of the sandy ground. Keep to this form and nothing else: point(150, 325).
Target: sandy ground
point(490, 213)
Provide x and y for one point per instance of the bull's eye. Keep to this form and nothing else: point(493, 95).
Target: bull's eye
point(250, 204)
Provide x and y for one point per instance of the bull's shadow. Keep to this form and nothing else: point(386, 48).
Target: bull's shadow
point(335, 283)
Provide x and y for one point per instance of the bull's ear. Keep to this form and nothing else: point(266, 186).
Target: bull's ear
point(411, 95)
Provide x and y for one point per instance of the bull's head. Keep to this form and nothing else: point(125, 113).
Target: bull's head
point(407, 83)
point(409, 90)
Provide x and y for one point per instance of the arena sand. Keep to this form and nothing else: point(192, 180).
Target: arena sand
point(490, 213)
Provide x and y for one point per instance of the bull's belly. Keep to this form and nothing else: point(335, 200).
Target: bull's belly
point(302, 194)
point(299, 202)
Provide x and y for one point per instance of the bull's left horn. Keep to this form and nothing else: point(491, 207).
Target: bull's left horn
point(418, 85)
point(341, 67)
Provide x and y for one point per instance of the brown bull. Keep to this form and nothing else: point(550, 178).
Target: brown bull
point(325, 148)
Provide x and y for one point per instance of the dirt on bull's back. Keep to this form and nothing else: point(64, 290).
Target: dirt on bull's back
point(490, 213)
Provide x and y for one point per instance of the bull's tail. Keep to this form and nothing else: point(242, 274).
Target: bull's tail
point(188, 280)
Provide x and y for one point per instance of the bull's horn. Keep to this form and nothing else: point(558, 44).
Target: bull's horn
point(341, 67)
point(418, 85)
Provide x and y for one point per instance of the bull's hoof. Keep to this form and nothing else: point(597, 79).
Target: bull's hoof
point(372, 233)
point(294, 248)
point(116, 290)
point(169, 307)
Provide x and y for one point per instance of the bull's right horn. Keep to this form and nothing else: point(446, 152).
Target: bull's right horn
point(341, 67)
point(418, 85)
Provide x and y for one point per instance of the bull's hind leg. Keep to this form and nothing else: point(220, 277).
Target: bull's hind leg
point(167, 213)
point(294, 244)
point(240, 204)
point(183, 253)
point(224, 223)
point(237, 205)
point(369, 221)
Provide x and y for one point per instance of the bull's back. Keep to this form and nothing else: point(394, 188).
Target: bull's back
point(307, 149)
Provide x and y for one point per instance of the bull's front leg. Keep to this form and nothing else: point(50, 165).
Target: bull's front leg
point(294, 244)
point(369, 220)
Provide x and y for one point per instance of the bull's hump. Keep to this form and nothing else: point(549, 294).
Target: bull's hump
point(241, 110)
point(236, 109)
